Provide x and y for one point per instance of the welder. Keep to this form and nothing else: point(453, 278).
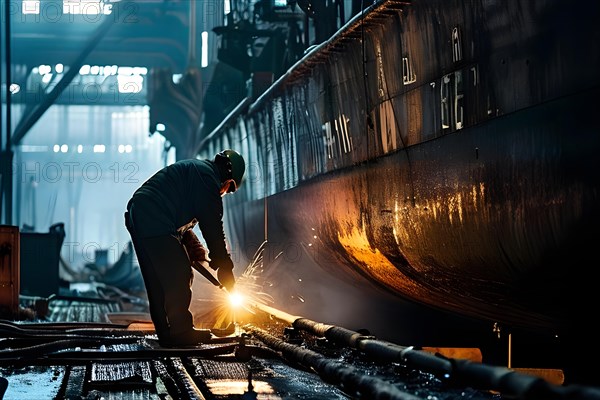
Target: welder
point(160, 218)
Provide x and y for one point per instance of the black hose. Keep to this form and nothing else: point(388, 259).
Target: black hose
point(343, 375)
point(9, 329)
point(63, 350)
point(464, 372)
point(16, 344)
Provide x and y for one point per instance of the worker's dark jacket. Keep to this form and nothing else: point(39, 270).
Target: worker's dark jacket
point(177, 197)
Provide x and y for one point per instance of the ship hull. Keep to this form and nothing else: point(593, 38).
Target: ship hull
point(496, 223)
point(440, 154)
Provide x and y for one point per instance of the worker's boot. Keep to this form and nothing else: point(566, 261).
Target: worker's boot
point(188, 338)
point(223, 332)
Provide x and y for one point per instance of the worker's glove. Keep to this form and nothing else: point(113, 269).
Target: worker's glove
point(226, 278)
point(224, 269)
point(196, 252)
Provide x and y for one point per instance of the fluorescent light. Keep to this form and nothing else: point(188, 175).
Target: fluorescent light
point(84, 70)
point(34, 149)
point(140, 71)
point(204, 61)
point(110, 70)
point(44, 69)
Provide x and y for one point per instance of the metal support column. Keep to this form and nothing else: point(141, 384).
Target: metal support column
point(6, 173)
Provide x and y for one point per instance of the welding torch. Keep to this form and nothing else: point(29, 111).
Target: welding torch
point(206, 273)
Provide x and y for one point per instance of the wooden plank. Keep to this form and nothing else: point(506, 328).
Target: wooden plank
point(9, 270)
point(463, 353)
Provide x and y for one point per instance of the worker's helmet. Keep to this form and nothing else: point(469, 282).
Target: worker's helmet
point(234, 166)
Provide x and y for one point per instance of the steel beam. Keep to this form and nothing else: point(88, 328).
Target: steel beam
point(29, 120)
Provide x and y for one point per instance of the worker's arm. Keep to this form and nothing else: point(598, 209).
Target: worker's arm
point(209, 214)
point(198, 254)
point(193, 246)
point(220, 259)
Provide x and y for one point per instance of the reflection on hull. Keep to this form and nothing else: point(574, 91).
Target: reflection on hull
point(470, 183)
point(452, 228)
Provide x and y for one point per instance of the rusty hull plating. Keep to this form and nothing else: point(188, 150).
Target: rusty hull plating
point(444, 153)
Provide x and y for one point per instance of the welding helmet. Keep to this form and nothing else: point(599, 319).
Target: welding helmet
point(234, 166)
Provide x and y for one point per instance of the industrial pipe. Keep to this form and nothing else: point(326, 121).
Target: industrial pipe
point(377, 349)
point(477, 375)
point(347, 377)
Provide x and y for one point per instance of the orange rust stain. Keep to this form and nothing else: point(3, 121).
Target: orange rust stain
point(372, 261)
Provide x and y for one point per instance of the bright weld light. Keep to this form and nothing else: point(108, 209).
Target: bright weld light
point(236, 299)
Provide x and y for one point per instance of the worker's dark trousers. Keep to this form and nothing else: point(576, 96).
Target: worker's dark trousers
point(168, 276)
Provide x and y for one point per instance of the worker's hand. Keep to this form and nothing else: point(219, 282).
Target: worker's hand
point(224, 269)
point(224, 263)
point(196, 252)
point(226, 278)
